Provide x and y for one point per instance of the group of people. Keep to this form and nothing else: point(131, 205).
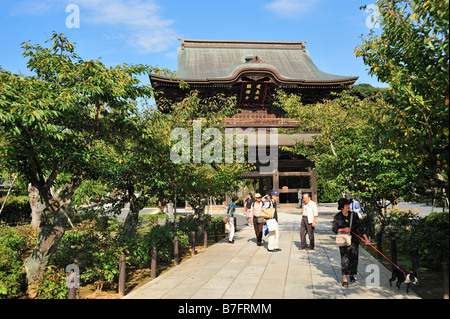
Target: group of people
point(347, 220)
point(253, 211)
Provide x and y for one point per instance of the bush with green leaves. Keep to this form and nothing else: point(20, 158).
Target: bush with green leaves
point(94, 248)
point(52, 283)
point(430, 235)
point(14, 243)
point(162, 237)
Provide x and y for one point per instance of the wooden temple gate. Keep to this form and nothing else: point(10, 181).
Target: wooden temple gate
point(252, 71)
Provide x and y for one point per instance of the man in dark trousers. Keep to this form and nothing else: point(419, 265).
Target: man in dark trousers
point(308, 222)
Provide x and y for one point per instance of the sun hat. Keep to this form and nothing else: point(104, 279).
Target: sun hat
point(274, 193)
point(257, 195)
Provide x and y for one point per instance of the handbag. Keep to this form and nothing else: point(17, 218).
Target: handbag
point(271, 224)
point(345, 240)
point(268, 213)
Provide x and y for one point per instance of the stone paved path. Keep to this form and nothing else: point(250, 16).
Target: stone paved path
point(245, 271)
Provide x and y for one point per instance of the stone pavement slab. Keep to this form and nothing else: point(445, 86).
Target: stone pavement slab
point(244, 270)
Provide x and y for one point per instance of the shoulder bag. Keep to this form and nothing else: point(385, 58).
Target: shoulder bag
point(343, 239)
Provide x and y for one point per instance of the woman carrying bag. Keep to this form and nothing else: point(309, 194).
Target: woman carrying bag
point(230, 217)
point(347, 224)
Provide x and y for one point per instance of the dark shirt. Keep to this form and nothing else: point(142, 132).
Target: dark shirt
point(341, 221)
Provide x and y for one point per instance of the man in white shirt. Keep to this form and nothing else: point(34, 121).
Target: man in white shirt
point(308, 222)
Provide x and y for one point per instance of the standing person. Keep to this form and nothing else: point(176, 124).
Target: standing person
point(355, 206)
point(309, 218)
point(258, 221)
point(274, 233)
point(230, 217)
point(349, 254)
point(247, 204)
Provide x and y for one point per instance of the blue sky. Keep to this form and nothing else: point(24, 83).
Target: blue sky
point(146, 31)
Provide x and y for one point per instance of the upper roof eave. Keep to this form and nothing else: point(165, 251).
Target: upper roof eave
point(234, 78)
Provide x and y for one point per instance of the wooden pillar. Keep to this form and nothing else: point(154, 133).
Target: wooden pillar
point(267, 188)
point(276, 181)
point(314, 185)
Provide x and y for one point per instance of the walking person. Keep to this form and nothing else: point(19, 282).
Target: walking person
point(247, 204)
point(274, 233)
point(308, 222)
point(258, 221)
point(349, 254)
point(355, 206)
point(230, 217)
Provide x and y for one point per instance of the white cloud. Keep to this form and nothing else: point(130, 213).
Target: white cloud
point(290, 8)
point(140, 22)
point(137, 23)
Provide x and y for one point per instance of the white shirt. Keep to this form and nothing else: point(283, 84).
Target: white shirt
point(310, 211)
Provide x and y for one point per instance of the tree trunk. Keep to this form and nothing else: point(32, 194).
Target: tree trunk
point(47, 242)
point(131, 222)
point(50, 233)
point(199, 204)
point(36, 206)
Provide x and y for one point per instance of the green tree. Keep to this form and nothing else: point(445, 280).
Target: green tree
point(51, 120)
point(196, 176)
point(412, 55)
point(351, 151)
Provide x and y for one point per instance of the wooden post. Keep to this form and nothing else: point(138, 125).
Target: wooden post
point(314, 185)
point(394, 251)
point(122, 275)
point(222, 229)
point(72, 281)
point(72, 293)
point(276, 181)
point(72, 290)
point(154, 261)
point(415, 261)
point(205, 239)
point(193, 243)
point(445, 278)
point(380, 241)
point(176, 254)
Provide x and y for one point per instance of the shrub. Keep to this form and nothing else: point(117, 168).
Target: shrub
point(430, 235)
point(17, 209)
point(94, 248)
point(52, 283)
point(162, 238)
point(12, 275)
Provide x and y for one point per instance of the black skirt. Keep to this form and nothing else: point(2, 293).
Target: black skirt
point(349, 259)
